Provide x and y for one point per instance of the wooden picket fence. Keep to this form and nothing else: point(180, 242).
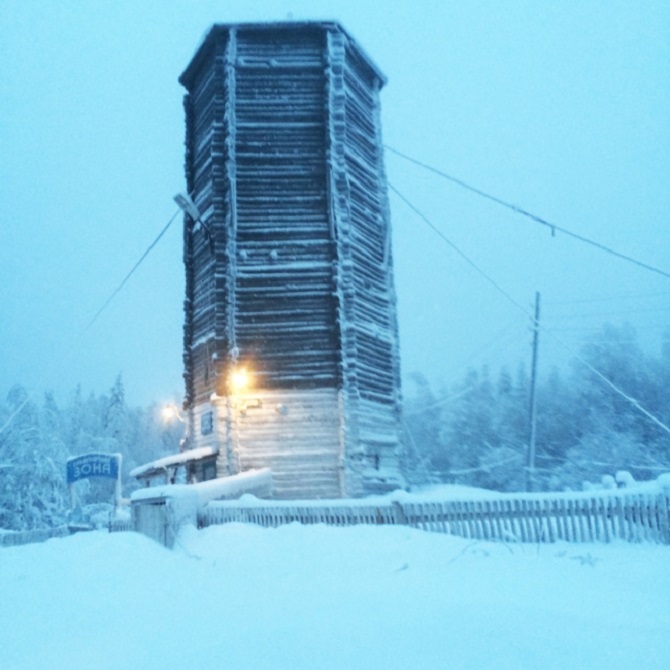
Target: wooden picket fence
point(598, 518)
point(633, 517)
point(120, 526)
point(30, 536)
point(44, 534)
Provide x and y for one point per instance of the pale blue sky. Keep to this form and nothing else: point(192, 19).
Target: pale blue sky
point(560, 107)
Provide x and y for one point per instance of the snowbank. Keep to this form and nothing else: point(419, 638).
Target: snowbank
point(448, 492)
point(160, 511)
point(354, 598)
point(201, 493)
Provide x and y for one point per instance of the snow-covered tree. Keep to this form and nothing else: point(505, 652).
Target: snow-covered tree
point(477, 433)
point(36, 442)
point(33, 493)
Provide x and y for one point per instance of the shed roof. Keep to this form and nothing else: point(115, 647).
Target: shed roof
point(161, 464)
point(217, 29)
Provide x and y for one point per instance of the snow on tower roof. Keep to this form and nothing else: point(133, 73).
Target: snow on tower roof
point(217, 29)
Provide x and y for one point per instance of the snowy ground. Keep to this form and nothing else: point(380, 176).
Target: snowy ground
point(320, 597)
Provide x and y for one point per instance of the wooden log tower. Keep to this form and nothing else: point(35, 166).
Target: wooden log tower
point(290, 338)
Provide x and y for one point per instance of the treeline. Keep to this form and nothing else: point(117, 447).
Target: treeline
point(477, 432)
point(36, 443)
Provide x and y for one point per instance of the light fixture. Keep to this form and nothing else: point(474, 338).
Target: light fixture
point(239, 380)
point(186, 204)
point(171, 412)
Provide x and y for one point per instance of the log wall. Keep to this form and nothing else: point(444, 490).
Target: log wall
point(291, 275)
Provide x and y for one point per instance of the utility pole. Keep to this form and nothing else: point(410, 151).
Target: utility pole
point(532, 418)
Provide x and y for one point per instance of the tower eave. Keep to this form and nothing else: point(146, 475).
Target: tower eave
point(187, 76)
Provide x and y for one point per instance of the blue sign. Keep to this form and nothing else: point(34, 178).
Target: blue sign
point(93, 465)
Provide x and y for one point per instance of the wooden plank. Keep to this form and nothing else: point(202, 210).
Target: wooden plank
point(519, 520)
point(527, 508)
point(647, 518)
point(473, 519)
point(495, 522)
point(404, 513)
point(508, 530)
point(593, 517)
point(486, 517)
point(662, 502)
point(467, 520)
point(565, 518)
point(605, 520)
point(459, 525)
point(654, 528)
point(621, 514)
point(471, 531)
point(536, 517)
point(443, 518)
point(572, 520)
point(428, 510)
point(583, 508)
point(637, 513)
point(514, 525)
point(551, 520)
point(540, 526)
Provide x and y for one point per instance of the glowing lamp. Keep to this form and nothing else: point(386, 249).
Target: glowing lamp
point(239, 380)
point(170, 413)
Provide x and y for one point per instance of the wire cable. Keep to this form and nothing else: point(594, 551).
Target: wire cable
point(495, 340)
point(11, 417)
point(519, 210)
point(609, 298)
point(589, 315)
point(441, 402)
point(466, 258)
point(635, 403)
point(129, 275)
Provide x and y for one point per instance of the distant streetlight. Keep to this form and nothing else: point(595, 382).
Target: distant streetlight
point(171, 412)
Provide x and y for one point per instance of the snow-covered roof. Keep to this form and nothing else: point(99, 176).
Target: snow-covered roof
point(170, 461)
point(210, 36)
point(201, 493)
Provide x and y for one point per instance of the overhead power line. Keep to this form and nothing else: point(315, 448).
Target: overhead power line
point(599, 331)
point(466, 258)
point(630, 399)
point(128, 276)
point(11, 417)
point(624, 312)
point(441, 402)
point(533, 217)
point(610, 298)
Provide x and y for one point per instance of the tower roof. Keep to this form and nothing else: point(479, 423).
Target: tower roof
point(218, 29)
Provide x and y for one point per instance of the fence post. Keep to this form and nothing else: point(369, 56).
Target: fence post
point(664, 517)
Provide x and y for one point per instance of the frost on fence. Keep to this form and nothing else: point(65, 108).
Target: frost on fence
point(632, 517)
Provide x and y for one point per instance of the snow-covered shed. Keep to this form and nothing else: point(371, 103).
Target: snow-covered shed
point(290, 338)
point(194, 465)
